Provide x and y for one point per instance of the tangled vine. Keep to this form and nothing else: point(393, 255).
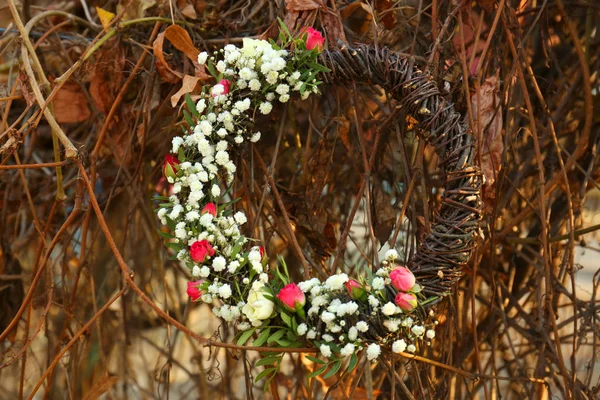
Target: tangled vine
point(340, 316)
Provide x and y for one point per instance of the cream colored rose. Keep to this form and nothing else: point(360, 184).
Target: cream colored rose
point(258, 307)
point(251, 45)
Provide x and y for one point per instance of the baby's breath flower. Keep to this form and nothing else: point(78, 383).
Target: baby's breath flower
point(373, 351)
point(265, 107)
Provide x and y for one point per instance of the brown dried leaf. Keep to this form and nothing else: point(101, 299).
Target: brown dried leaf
point(302, 5)
point(344, 132)
point(26, 91)
point(358, 17)
point(134, 9)
point(71, 104)
point(388, 18)
point(187, 9)
point(487, 107)
point(188, 85)
point(182, 41)
point(165, 71)
point(106, 78)
point(101, 387)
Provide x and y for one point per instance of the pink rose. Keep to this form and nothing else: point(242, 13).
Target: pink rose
point(221, 88)
point(193, 290)
point(402, 279)
point(406, 301)
point(291, 297)
point(170, 166)
point(314, 39)
point(199, 250)
point(210, 208)
point(355, 290)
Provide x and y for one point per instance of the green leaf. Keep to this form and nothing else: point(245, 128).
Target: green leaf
point(245, 336)
point(284, 28)
point(166, 235)
point(334, 369)
point(416, 288)
point(181, 154)
point(262, 338)
point(276, 336)
point(188, 118)
point(284, 343)
point(174, 246)
point(237, 247)
point(315, 360)
point(318, 67)
point(318, 372)
point(268, 360)
point(211, 68)
point(268, 382)
point(353, 362)
point(286, 319)
point(265, 373)
point(190, 105)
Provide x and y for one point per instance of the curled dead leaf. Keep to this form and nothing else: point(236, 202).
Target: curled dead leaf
point(187, 10)
point(100, 387)
point(188, 85)
point(106, 76)
point(166, 73)
point(182, 41)
point(488, 109)
point(26, 91)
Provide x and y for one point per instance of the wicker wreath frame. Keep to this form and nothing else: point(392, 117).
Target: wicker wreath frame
point(250, 296)
point(440, 257)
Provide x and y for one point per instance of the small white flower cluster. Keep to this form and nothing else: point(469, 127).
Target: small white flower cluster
point(345, 322)
point(250, 79)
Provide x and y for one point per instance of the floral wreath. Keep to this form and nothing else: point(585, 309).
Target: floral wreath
point(339, 316)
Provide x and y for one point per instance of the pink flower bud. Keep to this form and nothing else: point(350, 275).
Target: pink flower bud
point(210, 208)
point(355, 290)
point(170, 166)
point(291, 297)
point(221, 88)
point(402, 279)
point(200, 250)
point(314, 39)
point(406, 301)
point(193, 290)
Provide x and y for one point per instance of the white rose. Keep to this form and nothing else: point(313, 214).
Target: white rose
point(250, 46)
point(389, 309)
point(258, 307)
point(336, 282)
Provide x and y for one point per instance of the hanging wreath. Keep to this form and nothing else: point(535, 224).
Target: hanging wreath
point(339, 316)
